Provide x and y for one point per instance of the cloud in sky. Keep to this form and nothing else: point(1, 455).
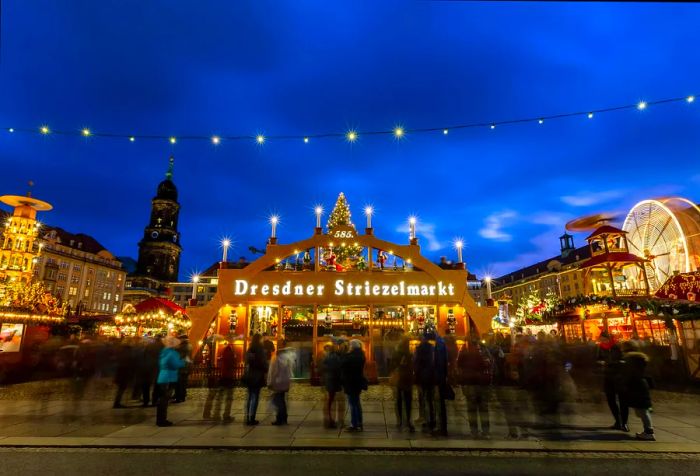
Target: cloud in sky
point(586, 198)
point(494, 224)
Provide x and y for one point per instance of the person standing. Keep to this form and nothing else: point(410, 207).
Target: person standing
point(444, 389)
point(170, 364)
point(424, 370)
point(279, 379)
point(125, 371)
point(330, 375)
point(635, 388)
point(227, 366)
point(403, 368)
point(254, 377)
point(185, 350)
point(354, 381)
point(476, 373)
point(610, 357)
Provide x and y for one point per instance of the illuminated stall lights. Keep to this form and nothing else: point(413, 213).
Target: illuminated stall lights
point(30, 318)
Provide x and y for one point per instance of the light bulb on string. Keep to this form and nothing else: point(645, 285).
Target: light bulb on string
point(590, 115)
point(641, 105)
point(216, 140)
point(399, 132)
point(85, 132)
point(306, 140)
point(445, 132)
point(541, 121)
point(690, 99)
point(132, 139)
point(11, 129)
point(44, 130)
point(173, 140)
point(493, 126)
point(351, 136)
point(260, 139)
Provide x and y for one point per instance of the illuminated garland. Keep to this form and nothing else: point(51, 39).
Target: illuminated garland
point(397, 132)
point(648, 307)
point(160, 319)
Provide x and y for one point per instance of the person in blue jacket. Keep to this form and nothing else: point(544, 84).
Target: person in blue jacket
point(170, 363)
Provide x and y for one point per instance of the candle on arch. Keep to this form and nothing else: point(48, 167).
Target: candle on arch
point(319, 212)
point(274, 219)
point(459, 244)
point(412, 227)
point(195, 280)
point(368, 211)
point(225, 243)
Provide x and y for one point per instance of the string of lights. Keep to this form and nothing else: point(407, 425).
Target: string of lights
point(398, 132)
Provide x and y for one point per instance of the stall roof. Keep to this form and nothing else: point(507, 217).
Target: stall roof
point(157, 303)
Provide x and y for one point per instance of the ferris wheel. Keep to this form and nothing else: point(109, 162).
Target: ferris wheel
point(665, 232)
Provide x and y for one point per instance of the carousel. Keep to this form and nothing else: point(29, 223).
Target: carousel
point(338, 283)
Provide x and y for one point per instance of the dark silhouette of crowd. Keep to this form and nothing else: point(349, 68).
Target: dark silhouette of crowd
point(527, 378)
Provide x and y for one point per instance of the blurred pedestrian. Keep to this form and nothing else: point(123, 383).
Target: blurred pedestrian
point(125, 371)
point(610, 357)
point(354, 381)
point(254, 377)
point(223, 388)
point(424, 371)
point(170, 364)
point(330, 378)
point(185, 350)
point(476, 373)
point(444, 390)
point(279, 379)
point(636, 388)
point(403, 381)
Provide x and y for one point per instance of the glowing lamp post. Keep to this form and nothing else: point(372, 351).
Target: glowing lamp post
point(195, 280)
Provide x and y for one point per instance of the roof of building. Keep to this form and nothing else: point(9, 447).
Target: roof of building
point(574, 256)
point(77, 241)
point(606, 230)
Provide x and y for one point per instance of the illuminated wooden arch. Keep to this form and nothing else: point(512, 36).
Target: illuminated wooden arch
point(425, 269)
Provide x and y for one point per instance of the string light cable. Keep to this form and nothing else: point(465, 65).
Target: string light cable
point(351, 136)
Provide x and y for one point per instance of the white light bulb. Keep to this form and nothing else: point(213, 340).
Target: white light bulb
point(690, 98)
point(260, 139)
point(216, 140)
point(590, 115)
point(445, 131)
point(641, 105)
point(493, 126)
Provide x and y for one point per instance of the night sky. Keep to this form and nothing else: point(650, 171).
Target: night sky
point(273, 67)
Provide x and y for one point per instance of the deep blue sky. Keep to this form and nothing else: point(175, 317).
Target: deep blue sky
point(221, 67)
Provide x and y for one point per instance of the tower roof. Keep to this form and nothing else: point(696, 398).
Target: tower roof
point(167, 189)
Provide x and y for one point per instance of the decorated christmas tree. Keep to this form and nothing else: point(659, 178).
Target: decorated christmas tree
point(339, 217)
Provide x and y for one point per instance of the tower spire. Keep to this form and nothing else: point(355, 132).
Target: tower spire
point(169, 173)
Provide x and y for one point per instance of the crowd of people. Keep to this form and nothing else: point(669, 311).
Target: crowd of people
point(527, 377)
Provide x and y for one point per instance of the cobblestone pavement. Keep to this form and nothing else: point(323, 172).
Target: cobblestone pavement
point(44, 414)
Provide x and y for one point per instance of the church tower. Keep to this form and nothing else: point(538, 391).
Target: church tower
point(159, 249)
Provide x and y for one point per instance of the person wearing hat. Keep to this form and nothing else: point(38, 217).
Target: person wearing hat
point(170, 364)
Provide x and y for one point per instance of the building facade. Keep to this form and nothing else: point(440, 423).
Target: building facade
point(79, 270)
point(559, 275)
